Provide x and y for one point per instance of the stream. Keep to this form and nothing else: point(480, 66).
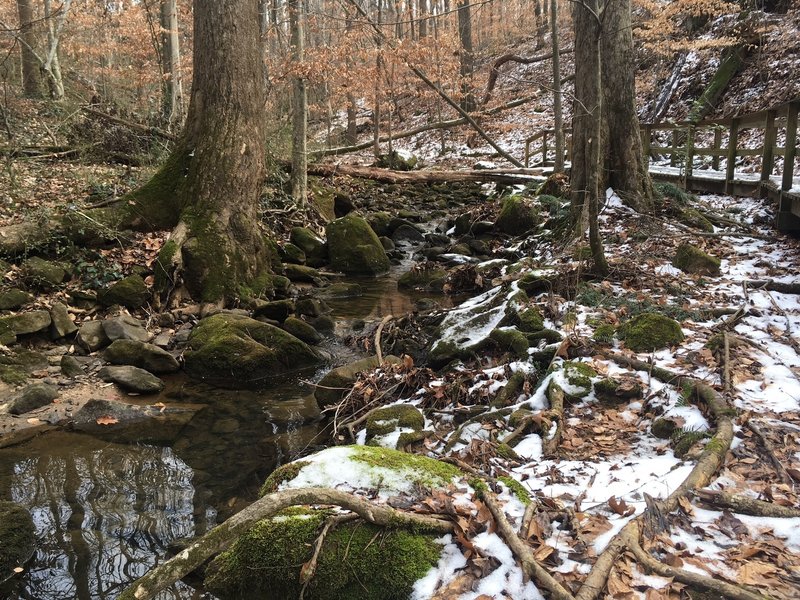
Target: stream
point(108, 506)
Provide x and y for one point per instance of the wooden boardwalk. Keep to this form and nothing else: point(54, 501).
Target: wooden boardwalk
point(713, 156)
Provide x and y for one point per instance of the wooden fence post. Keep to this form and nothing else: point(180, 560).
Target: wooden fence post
point(730, 166)
point(687, 172)
point(673, 154)
point(647, 141)
point(768, 151)
point(717, 144)
point(544, 149)
point(791, 146)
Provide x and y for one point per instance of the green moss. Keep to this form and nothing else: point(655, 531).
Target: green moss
point(479, 485)
point(510, 391)
point(579, 373)
point(717, 446)
point(672, 191)
point(17, 537)
point(604, 333)
point(507, 452)
point(130, 292)
point(683, 440)
point(731, 62)
point(354, 248)
point(663, 428)
point(518, 416)
point(424, 276)
point(386, 420)
point(424, 471)
point(358, 560)
point(162, 267)
point(650, 331)
point(517, 216)
point(516, 488)
point(283, 473)
point(691, 259)
point(443, 352)
point(530, 319)
point(551, 336)
point(694, 218)
point(511, 339)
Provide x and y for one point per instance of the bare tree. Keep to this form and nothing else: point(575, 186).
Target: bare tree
point(558, 165)
point(31, 82)
point(299, 104)
point(51, 66)
point(171, 58)
point(467, 55)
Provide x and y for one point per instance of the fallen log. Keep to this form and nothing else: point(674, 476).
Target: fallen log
point(504, 176)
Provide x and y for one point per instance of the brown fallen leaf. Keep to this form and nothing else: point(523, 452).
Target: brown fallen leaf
point(620, 507)
point(106, 420)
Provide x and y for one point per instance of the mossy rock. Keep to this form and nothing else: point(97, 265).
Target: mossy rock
point(536, 282)
point(397, 160)
point(43, 274)
point(32, 397)
point(26, 323)
point(277, 310)
point(517, 216)
point(354, 248)
point(358, 560)
point(14, 298)
point(379, 222)
point(17, 537)
point(302, 330)
point(556, 184)
point(237, 351)
point(690, 259)
point(292, 254)
point(424, 276)
point(15, 368)
point(142, 355)
point(663, 428)
point(615, 391)
point(130, 292)
point(604, 333)
point(510, 338)
point(694, 218)
point(650, 331)
point(301, 273)
point(384, 421)
point(575, 379)
point(530, 319)
point(282, 474)
point(314, 248)
point(517, 417)
point(337, 382)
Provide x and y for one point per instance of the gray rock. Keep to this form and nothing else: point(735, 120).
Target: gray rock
point(311, 307)
point(142, 355)
point(314, 248)
point(61, 323)
point(130, 292)
point(13, 299)
point(92, 336)
point(32, 397)
point(125, 327)
point(163, 339)
point(70, 366)
point(407, 233)
point(43, 274)
point(301, 273)
point(25, 323)
point(276, 311)
point(337, 382)
point(132, 379)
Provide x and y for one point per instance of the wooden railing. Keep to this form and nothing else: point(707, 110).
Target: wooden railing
point(723, 134)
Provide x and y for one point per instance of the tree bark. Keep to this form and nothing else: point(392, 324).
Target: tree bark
point(300, 105)
point(210, 185)
point(625, 167)
point(31, 82)
point(52, 65)
point(423, 18)
point(467, 55)
point(171, 57)
point(558, 165)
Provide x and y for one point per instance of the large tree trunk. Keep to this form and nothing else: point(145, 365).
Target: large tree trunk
point(211, 183)
point(171, 57)
point(299, 104)
point(31, 83)
point(558, 117)
point(52, 65)
point(625, 166)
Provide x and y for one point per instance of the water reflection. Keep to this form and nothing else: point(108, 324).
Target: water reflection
point(103, 513)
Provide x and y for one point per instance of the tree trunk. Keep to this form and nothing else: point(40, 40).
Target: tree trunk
point(558, 165)
point(31, 82)
point(52, 65)
point(300, 105)
point(467, 55)
point(625, 168)
point(171, 57)
point(210, 185)
point(423, 18)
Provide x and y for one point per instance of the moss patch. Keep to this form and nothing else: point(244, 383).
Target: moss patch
point(425, 471)
point(283, 473)
point(516, 488)
point(530, 319)
point(386, 420)
point(691, 259)
point(358, 560)
point(517, 216)
point(650, 331)
point(17, 537)
point(354, 248)
point(604, 333)
point(511, 339)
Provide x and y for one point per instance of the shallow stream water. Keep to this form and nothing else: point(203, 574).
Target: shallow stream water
point(108, 506)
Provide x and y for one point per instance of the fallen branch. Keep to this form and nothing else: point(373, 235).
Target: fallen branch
point(774, 286)
point(712, 584)
point(494, 72)
point(556, 397)
point(746, 506)
point(309, 569)
point(219, 538)
point(522, 551)
point(130, 125)
point(769, 448)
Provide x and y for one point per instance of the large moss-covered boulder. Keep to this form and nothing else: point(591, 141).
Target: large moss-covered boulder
point(650, 331)
point(690, 259)
point(130, 292)
point(311, 244)
point(43, 274)
point(17, 537)
point(337, 382)
point(237, 351)
point(139, 354)
point(354, 248)
point(517, 216)
point(357, 560)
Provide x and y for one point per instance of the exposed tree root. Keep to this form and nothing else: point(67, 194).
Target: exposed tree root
point(769, 449)
point(745, 505)
point(729, 590)
point(522, 551)
point(556, 397)
point(310, 568)
point(224, 534)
